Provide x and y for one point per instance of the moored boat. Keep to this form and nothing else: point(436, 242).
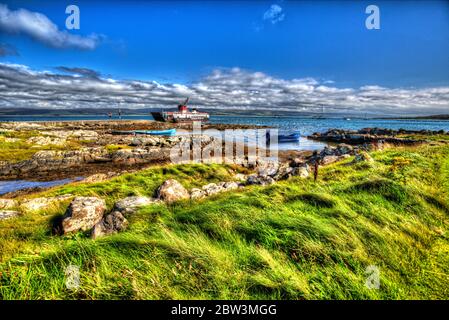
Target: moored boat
point(168, 132)
point(182, 115)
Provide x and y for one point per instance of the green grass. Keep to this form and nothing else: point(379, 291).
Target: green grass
point(293, 240)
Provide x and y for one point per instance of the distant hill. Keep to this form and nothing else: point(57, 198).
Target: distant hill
point(431, 117)
point(146, 111)
point(228, 112)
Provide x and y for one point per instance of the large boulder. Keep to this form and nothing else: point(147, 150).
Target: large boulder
point(8, 204)
point(171, 190)
point(110, 224)
point(269, 168)
point(7, 214)
point(130, 205)
point(83, 214)
point(284, 172)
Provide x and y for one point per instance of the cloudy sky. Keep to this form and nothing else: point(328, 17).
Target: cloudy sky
point(258, 55)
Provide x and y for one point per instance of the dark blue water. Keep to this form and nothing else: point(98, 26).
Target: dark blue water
point(306, 126)
point(15, 185)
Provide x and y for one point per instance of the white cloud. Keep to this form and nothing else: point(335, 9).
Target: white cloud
point(275, 14)
point(40, 28)
point(223, 89)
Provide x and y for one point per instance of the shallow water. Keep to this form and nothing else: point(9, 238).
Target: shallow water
point(16, 185)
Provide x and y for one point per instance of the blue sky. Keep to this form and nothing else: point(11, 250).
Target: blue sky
point(183, 42)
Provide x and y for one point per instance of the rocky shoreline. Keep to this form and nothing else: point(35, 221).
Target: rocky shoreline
point(373, 136)
point(89, 149)
point(85, 148)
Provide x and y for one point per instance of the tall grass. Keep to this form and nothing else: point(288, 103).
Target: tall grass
point(293, 240)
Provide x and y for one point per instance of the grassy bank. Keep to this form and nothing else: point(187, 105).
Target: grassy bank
point(293, 240)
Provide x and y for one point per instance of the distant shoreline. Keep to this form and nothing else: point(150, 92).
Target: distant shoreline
point(431, 118)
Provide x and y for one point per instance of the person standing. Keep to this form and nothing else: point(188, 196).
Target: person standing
point(316, 164)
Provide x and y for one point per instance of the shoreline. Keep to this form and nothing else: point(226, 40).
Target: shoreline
point(57, 150)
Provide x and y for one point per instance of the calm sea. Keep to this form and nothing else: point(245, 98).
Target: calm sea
point(305, 126)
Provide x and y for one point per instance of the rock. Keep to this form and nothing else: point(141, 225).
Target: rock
point(212, 188)
point(7, 214)
point(46, 161)
point(269, 168)
point(43, 141)
point(73, 134)
point(261, 180)
point(110, 224)
point(284, 172)
point(171, 190)
point(196, 193)
point(240, 177)
point(328, 151)
point(42, 203)
point(363, 156)
point(231, 185)
point(130, 205)
point(344, 148)
point(302, 172)
point(297, 162)
point(83, 214)
point(329, 159)
point(8, 204)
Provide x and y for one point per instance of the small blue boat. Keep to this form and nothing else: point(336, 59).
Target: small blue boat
point(168, 132)
point(292, 137)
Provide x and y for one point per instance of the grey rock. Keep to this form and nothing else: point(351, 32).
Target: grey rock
point(171, 190)
point(83, 214)
point(329, 159)
point(260, 180)
point(302, 172)
point(212, 188)
point(196, 193)
point(110, 224)
point(231, 185)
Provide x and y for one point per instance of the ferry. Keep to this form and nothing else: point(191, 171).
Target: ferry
point(182, 115)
